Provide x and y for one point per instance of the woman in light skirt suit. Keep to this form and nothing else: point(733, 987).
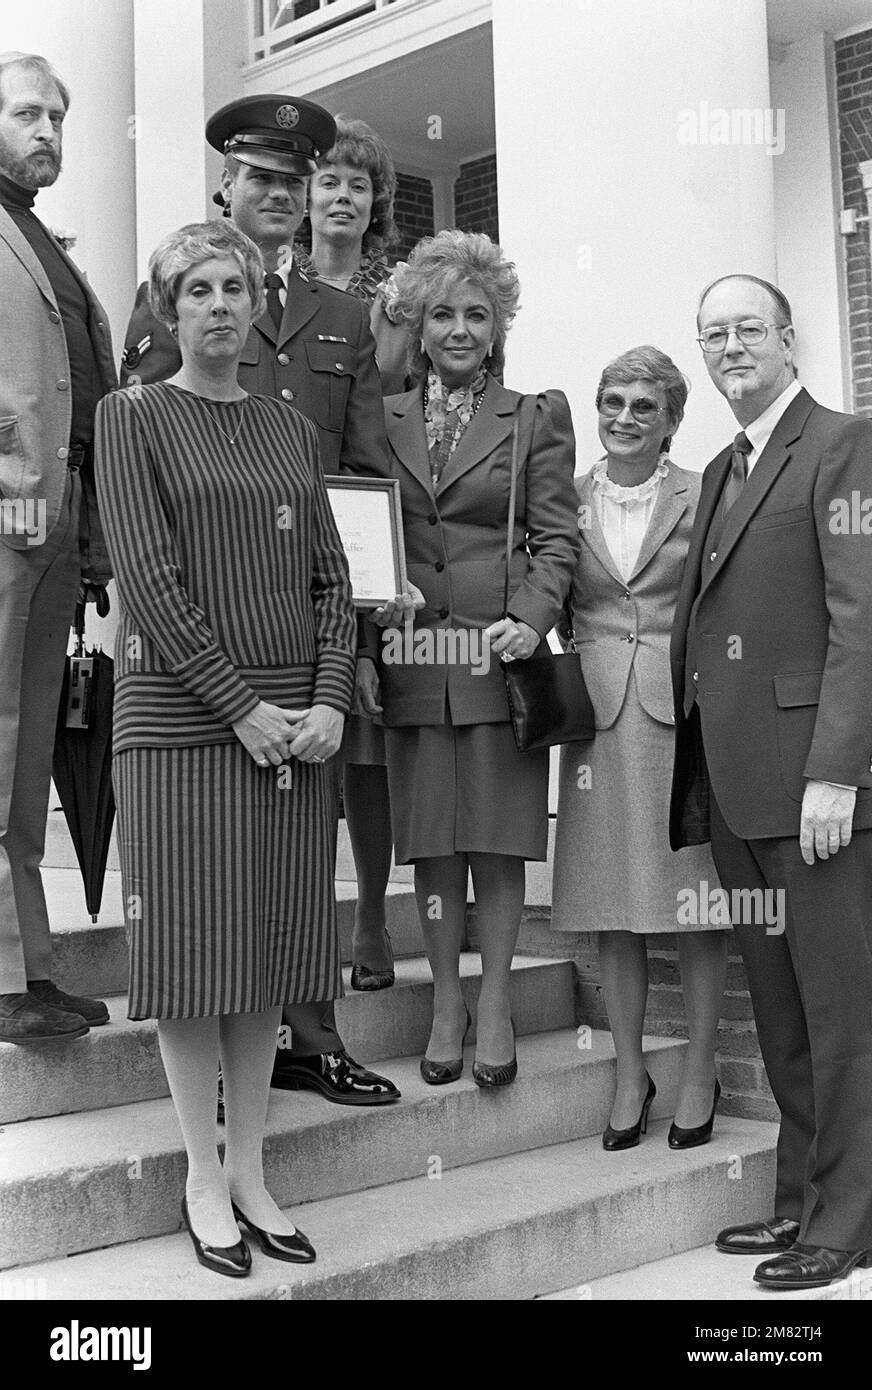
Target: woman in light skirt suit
point(614, 872)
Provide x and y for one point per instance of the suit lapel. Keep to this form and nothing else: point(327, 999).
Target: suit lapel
point(668, 509)
point(592, 536)
point(774, 457)
point(301, 304)
point(491, 424)
point(22, 248)
point(407, 437)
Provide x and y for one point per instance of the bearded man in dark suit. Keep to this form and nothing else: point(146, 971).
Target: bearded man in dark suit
point(312, 347)
point(772, 673)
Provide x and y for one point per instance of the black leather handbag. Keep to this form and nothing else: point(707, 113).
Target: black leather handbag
point(548, 699)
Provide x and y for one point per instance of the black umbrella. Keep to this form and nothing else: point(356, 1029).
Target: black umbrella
point(82, 766)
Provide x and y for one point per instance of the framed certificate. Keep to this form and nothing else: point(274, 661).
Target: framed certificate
point(370, 522)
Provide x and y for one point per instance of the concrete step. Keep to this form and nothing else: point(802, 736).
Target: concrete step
point(510, 1227)
point(120, 1063)
point(708, 1276)
point(92, 959)
point(76, 1182)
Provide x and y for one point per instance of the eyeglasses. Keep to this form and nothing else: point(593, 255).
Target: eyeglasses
point(749, 332)
point(642, 409)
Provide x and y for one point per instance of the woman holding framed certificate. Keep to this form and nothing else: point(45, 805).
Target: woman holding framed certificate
point(463, 799)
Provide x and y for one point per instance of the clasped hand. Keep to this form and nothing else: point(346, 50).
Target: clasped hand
point(826, 821)
point(272, 734)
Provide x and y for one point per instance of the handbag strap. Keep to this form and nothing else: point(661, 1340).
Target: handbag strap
point(510, 534)
point(510, 528)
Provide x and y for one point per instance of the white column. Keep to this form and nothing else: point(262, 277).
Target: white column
point(170, 118)
point(618, 200)
point(90, 44)
point(807, 188)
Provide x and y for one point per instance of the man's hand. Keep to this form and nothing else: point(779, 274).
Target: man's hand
point(319, 735)
point(400, 610)
point(367, 691)
point(827, 817)
point(509, 639)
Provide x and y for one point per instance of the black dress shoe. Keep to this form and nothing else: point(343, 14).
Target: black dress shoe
point(297, 1249)
point(758, 1237)
point(810, 1267)
point(336, 1076)
point(232, 1260)
point(26, 1019)
point(442, 1073)
point(679, 1138)
point(221, 1115)
point(614, 1139)
point(93, 1011)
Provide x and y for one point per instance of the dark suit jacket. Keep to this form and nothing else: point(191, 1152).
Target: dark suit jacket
point(623, 626)
point(35, 400)
point(456, 540)
point(783, 645)
point(322, 360)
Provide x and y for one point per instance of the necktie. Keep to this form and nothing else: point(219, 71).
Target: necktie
point(738, 475)
point(273, 303)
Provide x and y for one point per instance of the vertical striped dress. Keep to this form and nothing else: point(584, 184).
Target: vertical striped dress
point(233, 588)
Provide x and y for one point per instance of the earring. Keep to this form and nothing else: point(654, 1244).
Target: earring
point(174, 329)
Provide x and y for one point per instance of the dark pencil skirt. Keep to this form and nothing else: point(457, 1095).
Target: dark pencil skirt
point(465, 789)
point(228, 882)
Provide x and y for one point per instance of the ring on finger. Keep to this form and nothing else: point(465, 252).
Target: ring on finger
point(316, 759)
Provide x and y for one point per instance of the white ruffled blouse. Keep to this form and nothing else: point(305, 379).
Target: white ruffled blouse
point(625, 512)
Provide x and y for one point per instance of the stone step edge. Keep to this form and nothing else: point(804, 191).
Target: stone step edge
point(152, 1263)
point(712, 1276)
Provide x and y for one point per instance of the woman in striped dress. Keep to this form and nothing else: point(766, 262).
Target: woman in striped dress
point(235, 668)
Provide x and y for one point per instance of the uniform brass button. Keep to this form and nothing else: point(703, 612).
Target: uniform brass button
point(63, 453)
point(287, 395)
point(284, 359)
point(443, 612)
point(432, 518)
point(630, 637)
point(713, 556)
point(54, 318)
point(340, 366)
point(696, 676)
point(628, 594)
point(63, 384)
point(439, 566)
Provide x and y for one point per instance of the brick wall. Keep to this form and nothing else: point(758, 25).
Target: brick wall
point(745, 1089)
point(413, 212)
point(854, 96)
point(475, 197)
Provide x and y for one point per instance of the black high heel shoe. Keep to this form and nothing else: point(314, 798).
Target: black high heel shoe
point(366, 981)
point(297, 1249)
point(233, 1260)
point(628, 1138)
point(679, 1138)
point(487, 1076)
point(440, 1073)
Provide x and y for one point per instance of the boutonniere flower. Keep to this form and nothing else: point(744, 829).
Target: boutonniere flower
point(65, 237)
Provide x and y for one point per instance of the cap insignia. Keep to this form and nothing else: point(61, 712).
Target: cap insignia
point(287, 117)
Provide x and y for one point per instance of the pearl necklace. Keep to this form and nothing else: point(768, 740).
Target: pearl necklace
point(231, 438)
